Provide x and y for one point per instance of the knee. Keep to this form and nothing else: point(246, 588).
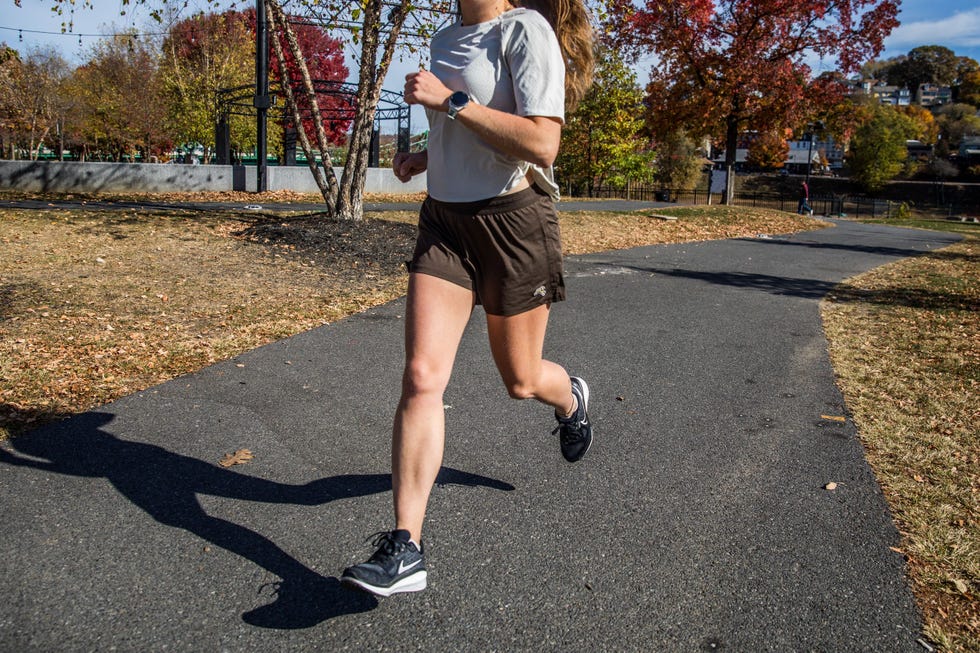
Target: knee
point(422, 378)
point(520, 390)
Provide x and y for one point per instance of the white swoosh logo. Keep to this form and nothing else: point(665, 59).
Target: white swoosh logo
point(402, 567)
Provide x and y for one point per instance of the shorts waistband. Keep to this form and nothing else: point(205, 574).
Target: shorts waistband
point(499, 204)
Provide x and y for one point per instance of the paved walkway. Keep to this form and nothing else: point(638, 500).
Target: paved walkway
point(697, 522)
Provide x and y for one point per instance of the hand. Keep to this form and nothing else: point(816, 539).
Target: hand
point(425, 88)
point(406, 165)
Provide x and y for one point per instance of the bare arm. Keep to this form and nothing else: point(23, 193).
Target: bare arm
point(534, 139)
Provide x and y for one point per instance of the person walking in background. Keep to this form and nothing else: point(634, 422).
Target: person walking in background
point(804, 206)
point(501, 79)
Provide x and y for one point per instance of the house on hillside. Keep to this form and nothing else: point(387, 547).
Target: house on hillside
point(824, 156)
point(969, 151)
point(927, 95)
point(933, 95)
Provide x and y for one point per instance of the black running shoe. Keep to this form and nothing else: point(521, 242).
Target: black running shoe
point(576, 431)
point(397, 566)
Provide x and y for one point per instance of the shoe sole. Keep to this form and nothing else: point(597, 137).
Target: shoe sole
point(414, 583)
point(585, 398)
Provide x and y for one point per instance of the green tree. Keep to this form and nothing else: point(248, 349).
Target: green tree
point(201, 55)
point(877, 152)
point(602, 142)
point(927, 64)
point(680, 161)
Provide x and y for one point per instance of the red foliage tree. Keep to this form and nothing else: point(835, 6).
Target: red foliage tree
point(325, 61)
point(724, 65)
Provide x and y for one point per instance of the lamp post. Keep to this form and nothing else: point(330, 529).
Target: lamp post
point(261, 100)
point(809, 157)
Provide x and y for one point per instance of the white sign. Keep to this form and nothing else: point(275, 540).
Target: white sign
point(718, 179)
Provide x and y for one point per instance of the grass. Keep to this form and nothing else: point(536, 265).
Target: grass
point(905, 343)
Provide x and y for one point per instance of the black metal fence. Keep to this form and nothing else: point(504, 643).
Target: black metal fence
point(828, 205)
point(835, 206)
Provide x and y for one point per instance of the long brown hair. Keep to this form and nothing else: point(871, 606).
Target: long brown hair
point(571, 23)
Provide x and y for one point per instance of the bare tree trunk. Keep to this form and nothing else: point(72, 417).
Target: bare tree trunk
point(731, 145)
point(351, 201)
point(323, 174)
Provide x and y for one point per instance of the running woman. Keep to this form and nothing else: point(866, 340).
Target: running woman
point(500, 81)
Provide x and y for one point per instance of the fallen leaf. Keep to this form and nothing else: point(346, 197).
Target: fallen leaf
point(961, 586)
point(834, 418)
point(240, 457)
point(919, 479)
point(830, 486)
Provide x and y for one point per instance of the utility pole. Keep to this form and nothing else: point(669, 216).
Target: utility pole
point(261, 100)
point(809, 157)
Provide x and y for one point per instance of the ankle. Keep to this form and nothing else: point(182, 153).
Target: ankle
point(571, 411)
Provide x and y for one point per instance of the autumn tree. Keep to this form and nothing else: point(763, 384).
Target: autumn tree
point(926, 129)
point(120, 106)
point(324, 60)
point(10, 64)
point(968, 91)
point(602, 141)
point(32, 97)
point(878, 149)
point(722, 66)
point(199, 56)
point(375, 27)
point(956, 121)
point(769, 150)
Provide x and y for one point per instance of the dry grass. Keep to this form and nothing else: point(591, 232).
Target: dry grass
point(905, 342)
point(97, 305)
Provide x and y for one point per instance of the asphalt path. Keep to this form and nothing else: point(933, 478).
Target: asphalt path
point(698, 521)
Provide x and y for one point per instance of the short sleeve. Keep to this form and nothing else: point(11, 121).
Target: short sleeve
point(536, 67)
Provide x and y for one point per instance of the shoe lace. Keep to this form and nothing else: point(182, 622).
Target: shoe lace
point(385, 544)
point(570, 431)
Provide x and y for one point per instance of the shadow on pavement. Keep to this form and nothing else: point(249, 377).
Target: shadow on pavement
point(165, 485)
point(920, 298)
point(879, 250)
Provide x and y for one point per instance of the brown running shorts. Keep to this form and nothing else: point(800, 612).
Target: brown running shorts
point(506, 249)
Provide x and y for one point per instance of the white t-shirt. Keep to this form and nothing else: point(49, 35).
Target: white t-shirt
point(512, 63)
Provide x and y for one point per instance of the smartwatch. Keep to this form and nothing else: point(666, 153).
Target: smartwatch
point(457, 102)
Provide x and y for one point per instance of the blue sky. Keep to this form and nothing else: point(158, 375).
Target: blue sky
point(951, 23)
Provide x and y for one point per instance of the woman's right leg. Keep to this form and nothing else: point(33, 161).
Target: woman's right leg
point(437, 313)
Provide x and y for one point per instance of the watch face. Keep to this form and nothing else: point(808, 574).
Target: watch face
point(459, 98)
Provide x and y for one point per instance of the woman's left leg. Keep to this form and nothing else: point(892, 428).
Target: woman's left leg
point(517, 345)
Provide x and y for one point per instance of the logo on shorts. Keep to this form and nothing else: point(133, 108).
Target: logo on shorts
point(540, 291)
